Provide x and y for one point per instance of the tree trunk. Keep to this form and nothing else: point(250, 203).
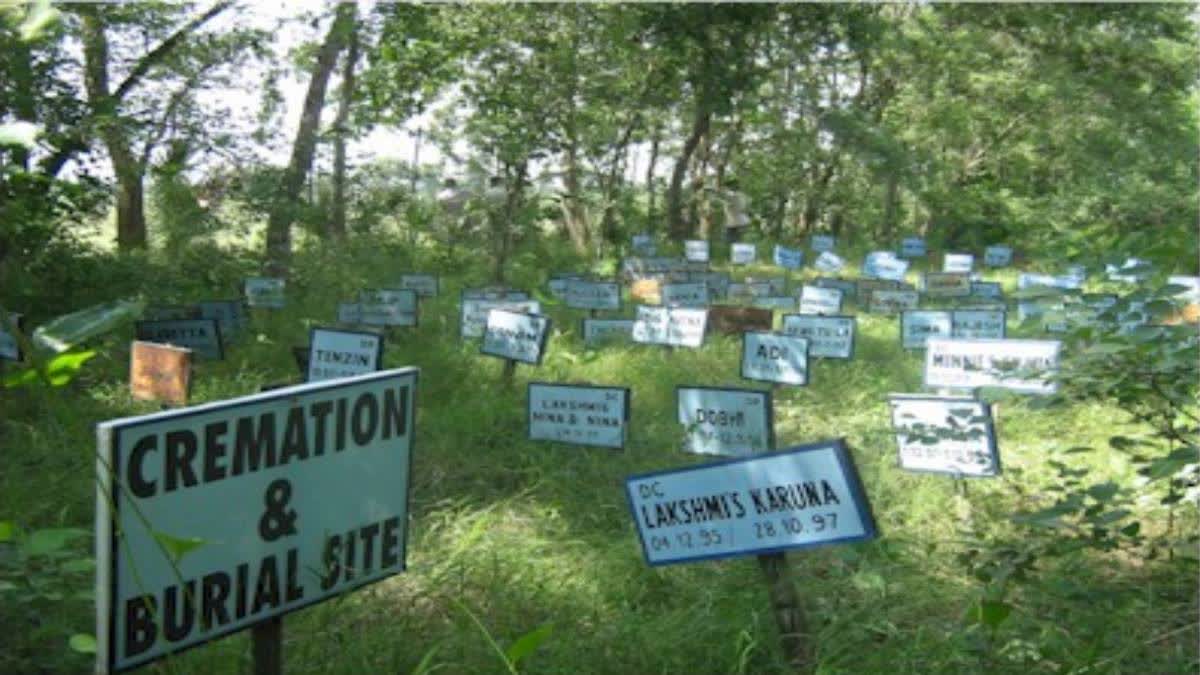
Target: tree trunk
point(889, 204)
point(283, 211)
point(650, 186)
point(700, 206)
point(336, 228)
point(679, 230)
point(574, 213)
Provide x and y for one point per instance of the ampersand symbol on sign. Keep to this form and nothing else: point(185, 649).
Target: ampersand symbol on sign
point(277, 520)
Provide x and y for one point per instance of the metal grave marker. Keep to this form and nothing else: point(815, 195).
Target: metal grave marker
point(695, 250)
point(426, 285)
point(265, 292)
point(600, 331)
point(918, 325)
point(388, 307)
point(958, 262)
point(821, 243)
point(474, 313)
point(516, 336)
point(585, 294)
point(817, 300)
point(800, 497)
point(912, 247)
point(578, 414)
point(685, 294)
point(774, 357)
point(788, 258)
point(829, 337)
point(334, 354)
point(670, 326)
point(945, 434)
point(1018, 365)
point(997, 256)
point(743, 254)
point(731, 422)
point(202, 336)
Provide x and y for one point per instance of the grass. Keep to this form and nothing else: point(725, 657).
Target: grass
point(517, 535)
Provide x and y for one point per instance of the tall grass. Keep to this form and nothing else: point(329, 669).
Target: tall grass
point(509, 535)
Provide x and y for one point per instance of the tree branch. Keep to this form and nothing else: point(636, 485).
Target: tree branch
point(156, 55)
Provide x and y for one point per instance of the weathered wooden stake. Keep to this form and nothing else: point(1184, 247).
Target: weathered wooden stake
point(789, 615)
point(267, 639)
point(510, 368)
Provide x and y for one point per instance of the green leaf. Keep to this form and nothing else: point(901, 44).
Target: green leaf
point(8, 530)
point(176, 547)
point(527, 643)
point(83, 643)
point(45, 542)
point(41, 15)
point(992, 613)
point(1103, 492)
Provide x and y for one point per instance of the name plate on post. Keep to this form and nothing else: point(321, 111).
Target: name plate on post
point(918, 325)
point(743, 254)
point(334, 354)
point(579, 414)
point(426, 285)
point(997, 256)
point(801, 497)
point(884, 265)
point(728, 320)
point(214, 518)
point(160, 373)
point(947, 284)
point(671, 326)
point(846, 286)
point(945, 434)
point(731, 422)
point(987, 289)
point(558, 284)
point(10, 348)
point(978, 323)
point(600, 331)
point(516, 336)
point(475, 313)
point(789, 258)
point(646, 290)
point(717, 282)
point(388, 307)
point(584, 294)
point(771, 357)
point(349, 313)
point(893, 302)
point(230, 315)
point(643, 244)
point(265, 292)
point(829, 262)
point(783, 303)
point(1018, 365)
point(829, 337)
point(695, 250)
point(958, 262)
point(747, 291)
point(495, 294)
point(821, 243)
point(912, 247)
point(202, 336)
point(817, 300)
point(690, 294)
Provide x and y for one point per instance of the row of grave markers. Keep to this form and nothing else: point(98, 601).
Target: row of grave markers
point(288, 455)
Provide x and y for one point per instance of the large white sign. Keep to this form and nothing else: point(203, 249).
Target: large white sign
point(789, 258)
point(688, 294)
point(829, 337)
point(829, 262)
point(213, 518)
point(474, 313)
point(334, 354)
point(265, 292)
point(918, 325)
point(801, 497)
point(945, 434)
point(743, 254)
point(771, 357)
point(731, 422)
point(997, 256)
point(821, 243)
point(578, 414)
point(671, 326)
point(695, 250)
point(515, 336)
point(10, 349)
point(388, 307)
point(818, 300)
point(1018, 365)
point(584, 294)
point(600, 331)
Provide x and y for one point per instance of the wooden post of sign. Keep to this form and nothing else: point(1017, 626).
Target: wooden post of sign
point(789, 613)
point(510, 368)
point(267, 643)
